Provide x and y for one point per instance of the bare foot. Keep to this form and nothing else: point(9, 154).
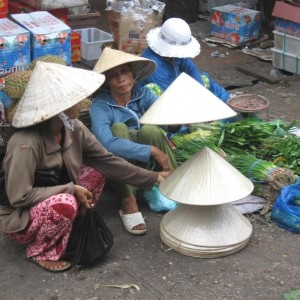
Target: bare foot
point(129, 206)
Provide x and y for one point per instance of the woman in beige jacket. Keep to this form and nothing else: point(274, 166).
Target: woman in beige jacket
point(52, 138)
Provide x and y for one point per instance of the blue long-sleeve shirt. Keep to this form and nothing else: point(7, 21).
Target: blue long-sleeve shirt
point(168, 70)
point(105, 112)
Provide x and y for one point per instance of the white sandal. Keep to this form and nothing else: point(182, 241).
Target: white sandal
point(131, 220)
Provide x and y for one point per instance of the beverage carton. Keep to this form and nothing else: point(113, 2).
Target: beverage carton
point(49, 35)
point(235, 24)
point(14, 47)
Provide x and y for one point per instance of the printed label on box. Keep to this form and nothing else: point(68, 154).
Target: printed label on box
point(134, 46)
point(287, 26)
point(14, 47)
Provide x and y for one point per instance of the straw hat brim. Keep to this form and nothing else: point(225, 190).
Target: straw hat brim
point(111, 58)
point(186, 101)
point(163, 48)
point(209, 229)
point(52, 89)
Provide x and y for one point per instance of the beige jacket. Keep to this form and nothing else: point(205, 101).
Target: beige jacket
point(31, 149)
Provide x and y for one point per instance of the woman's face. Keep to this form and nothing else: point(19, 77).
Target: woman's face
point(120, 79)
point(73, 112)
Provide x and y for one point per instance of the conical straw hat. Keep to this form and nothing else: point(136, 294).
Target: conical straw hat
point(52, 89)
point(212, 230)
point(206, 179)
point(110, 58)
point(186, 101)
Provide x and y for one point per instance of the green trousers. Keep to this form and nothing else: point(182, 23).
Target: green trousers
point(148, 135)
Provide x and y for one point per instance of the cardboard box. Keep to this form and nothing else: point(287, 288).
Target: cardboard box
point(50, 4)
point(3, 6)
point(75, 46)
point(49, 35)
point(20, 8)
point(4, 99)
point(235, 24)
point(287, 18)
point(14, 47)
point(130, 29)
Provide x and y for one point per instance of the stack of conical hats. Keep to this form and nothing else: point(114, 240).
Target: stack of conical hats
point(205, 224)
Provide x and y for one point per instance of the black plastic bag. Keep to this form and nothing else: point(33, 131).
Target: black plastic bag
point(90, 239)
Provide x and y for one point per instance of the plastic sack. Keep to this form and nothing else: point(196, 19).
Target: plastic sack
point(90, 239)
point(156, 201)
point(286, 210)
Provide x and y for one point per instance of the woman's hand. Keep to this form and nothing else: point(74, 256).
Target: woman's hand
point(161, 158)
point(83, 195)
point(162, 175)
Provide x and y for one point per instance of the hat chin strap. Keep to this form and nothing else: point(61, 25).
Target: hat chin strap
point(173, 42)
point(68, 123)
point(135, 79)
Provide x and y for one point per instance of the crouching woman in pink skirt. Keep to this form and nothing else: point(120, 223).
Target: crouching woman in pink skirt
point(49, 137)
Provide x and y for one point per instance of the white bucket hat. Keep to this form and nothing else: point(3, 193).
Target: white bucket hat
point(52, 89)
point(173, 39)
point(111, 58)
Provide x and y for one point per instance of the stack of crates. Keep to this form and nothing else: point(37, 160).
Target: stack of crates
point(286, 50)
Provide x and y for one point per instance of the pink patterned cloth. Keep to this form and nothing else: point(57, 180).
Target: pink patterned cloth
point(51, 220)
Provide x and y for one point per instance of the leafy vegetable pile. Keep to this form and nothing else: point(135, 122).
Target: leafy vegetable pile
point(188, 144)
point(247, 137)
point(283, 151)
point(243, 137)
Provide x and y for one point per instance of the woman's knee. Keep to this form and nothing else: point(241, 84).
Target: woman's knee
point(64, 204)
point(120, 129)
point(149, 131)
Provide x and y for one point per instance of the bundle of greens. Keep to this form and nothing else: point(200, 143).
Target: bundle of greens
point(244, 137)
point(268, 179)
point(188, 144)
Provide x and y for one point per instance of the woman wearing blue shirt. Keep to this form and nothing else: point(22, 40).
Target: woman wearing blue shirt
point(115, 114)
point(172, 46)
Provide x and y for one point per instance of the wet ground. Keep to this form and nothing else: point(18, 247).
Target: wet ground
point(265, 269)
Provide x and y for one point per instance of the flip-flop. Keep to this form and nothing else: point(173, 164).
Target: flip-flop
point(131, 220)
point(40, 264)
